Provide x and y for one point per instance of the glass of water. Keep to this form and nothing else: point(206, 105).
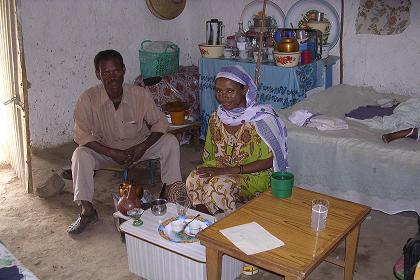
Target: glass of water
point(319, 214)
point(182, 205)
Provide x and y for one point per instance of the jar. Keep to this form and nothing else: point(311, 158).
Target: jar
point(288, 45)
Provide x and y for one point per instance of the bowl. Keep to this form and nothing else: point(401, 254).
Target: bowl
point(211, 51)
point(286, 59)
point(159, 207)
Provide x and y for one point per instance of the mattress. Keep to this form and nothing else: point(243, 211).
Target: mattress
point(354, 164)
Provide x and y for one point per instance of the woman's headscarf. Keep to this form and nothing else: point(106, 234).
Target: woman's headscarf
point(268, 124)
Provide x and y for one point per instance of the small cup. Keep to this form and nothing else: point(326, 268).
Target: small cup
point(306, 57)
point(227, 53)
point(282, 184)
point(319, 214)
point(241, 46)
point(195, 227)
point(243, 54)
point(177, 226)
point(182, 205)
point(159, 207)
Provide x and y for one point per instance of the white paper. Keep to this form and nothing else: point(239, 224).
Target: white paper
point(251, 238)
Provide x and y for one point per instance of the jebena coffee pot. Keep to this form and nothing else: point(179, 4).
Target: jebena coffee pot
point(129, 199)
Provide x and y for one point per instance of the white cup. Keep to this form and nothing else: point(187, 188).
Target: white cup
point(227, 52)
point(241, 46)
point(195, 227)
point(243, 54)
point(319, 214)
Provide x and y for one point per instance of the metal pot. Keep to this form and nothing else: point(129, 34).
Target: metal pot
point(288, 45)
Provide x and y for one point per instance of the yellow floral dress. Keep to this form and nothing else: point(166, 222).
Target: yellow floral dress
point(223, 149)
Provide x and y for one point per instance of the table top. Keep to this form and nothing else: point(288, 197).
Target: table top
point(289, 220)
point(149, 232)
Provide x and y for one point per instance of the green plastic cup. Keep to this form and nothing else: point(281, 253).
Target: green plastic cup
point(282, 184)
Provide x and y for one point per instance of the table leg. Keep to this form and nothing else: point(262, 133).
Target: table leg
point(351, 252)
point(213, 264)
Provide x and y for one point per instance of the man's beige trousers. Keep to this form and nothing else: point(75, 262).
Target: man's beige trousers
point(85, 161)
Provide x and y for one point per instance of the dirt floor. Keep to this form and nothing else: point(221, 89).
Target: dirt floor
point(34, 229)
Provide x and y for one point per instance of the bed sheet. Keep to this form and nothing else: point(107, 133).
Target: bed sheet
point(354, 164)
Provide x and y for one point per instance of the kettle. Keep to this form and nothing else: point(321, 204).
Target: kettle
point(214, 32)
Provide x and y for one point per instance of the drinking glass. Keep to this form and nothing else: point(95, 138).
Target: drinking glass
point(319, 214)
point(182, 205)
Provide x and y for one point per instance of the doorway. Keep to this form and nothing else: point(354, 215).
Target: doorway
point(14, 111)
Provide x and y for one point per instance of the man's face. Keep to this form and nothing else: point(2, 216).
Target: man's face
point(111, 73)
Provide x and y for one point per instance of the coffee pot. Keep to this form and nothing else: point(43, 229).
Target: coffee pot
point(214, 32)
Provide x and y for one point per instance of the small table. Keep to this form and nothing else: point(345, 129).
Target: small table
point(289, 220)
point(152, 257)
point(192, 127)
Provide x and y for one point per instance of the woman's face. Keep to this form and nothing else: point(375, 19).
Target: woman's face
point(230, 94)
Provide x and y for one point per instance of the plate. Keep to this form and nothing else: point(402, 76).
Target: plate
point(165, 230)
point(298, 16)
point(256, 6)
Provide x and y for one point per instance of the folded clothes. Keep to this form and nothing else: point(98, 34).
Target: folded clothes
point(320, 122)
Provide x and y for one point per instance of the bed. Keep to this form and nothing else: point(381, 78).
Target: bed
point(354, 164)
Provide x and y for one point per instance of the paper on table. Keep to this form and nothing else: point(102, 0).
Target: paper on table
point(251, 238)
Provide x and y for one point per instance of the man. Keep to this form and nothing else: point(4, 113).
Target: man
point(117, 123)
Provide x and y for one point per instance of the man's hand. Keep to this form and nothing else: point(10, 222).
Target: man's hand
point(136, 153)
point(205, 172)
point(120, 156)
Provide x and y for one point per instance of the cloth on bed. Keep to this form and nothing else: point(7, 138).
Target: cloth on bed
point(318, 121)
point(354, 163)
point(370, 111)
point(406, 115)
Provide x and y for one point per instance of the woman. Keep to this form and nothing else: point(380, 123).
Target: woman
point(244, 143)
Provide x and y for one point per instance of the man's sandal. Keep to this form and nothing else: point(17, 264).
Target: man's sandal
point(82, 222)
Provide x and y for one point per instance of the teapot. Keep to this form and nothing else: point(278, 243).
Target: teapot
point(128, 200)
point(288, 45)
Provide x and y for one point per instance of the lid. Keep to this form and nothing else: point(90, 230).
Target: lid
point(165, 9)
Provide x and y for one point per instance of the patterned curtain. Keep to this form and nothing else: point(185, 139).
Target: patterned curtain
point(383, 17)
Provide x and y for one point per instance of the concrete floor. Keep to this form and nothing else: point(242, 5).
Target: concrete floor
point(381, 240)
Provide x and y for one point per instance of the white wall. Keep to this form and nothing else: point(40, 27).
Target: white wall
point(62, 37)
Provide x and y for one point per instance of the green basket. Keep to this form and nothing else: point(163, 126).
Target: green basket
point(153, 64)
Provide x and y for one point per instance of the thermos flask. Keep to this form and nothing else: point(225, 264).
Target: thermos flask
point(214, 32)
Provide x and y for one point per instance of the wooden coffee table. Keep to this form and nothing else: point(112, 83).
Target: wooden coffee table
point(289, 220)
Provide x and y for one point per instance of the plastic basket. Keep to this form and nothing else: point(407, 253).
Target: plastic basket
point(154, 64)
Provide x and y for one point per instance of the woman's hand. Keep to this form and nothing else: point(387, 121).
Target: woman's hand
point(206, 172)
